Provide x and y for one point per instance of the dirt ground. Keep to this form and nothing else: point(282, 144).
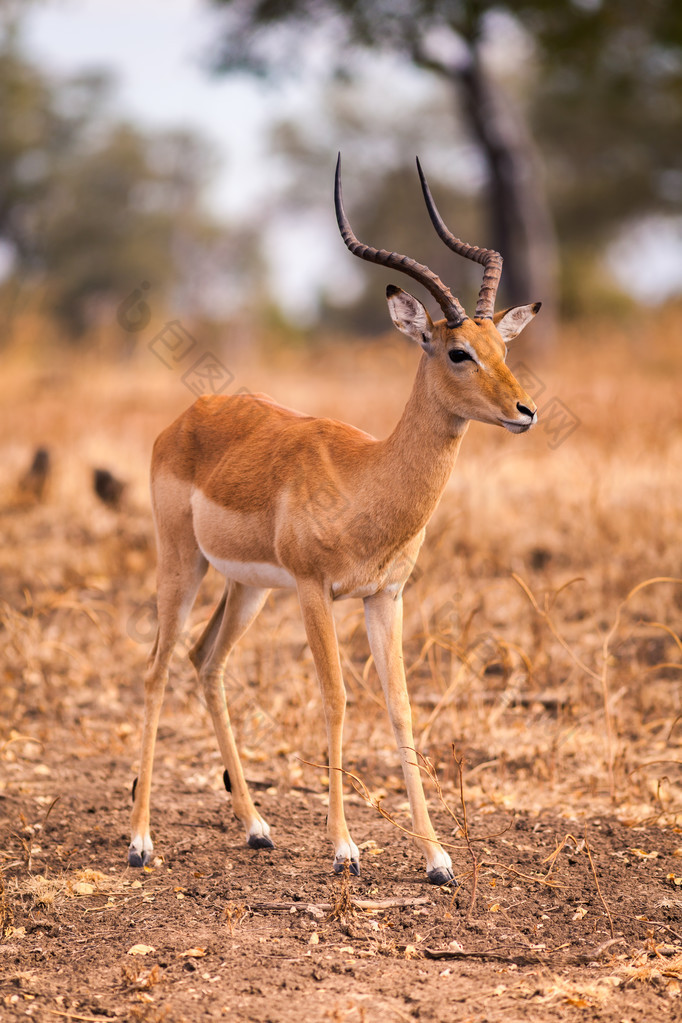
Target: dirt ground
point(215, 930)
point(541, 638)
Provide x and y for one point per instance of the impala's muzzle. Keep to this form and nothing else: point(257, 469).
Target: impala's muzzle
point(527, 418)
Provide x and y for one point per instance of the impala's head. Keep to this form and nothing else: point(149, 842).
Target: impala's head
point(466, 362)
point(465, 357)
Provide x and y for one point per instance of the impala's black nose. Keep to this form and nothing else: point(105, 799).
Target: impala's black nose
point(523, 410)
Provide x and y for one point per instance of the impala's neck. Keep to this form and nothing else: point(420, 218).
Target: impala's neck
point(417, 459)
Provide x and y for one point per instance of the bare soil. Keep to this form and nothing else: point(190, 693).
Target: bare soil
point(272, 936)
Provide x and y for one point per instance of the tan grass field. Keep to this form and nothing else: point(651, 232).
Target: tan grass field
point(541, 624)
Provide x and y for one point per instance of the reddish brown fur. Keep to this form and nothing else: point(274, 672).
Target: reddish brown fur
point(273, 497)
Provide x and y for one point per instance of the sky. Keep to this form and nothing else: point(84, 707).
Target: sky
point(159, 52)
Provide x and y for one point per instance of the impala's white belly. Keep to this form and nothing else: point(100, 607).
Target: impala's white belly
point(230, 541)
point(252, 573)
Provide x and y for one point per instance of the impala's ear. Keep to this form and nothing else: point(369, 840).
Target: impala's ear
point(410, 316)
point(510, 322)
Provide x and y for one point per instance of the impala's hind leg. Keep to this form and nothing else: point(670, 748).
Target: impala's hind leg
point(203, 646)
point(180, 573)
point(240, 605)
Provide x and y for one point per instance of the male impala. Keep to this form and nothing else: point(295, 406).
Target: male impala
point(236, 483)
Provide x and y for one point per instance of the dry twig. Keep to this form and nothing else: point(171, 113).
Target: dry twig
point(366, 904)
point(599, 892)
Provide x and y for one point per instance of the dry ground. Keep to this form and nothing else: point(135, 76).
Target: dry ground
point(523, 649)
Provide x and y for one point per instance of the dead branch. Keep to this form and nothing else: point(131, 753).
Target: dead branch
point(659, 923)
point(366, 904)
point(525, 958)
point(527, 877)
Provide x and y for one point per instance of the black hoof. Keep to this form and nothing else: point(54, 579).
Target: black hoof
point(440, 876)
point(260, 842)
point(136, 859)
point(353, 867)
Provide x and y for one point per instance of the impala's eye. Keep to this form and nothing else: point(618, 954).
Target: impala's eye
point(459, 355)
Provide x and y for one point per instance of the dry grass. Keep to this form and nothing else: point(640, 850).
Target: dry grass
point(521, 642)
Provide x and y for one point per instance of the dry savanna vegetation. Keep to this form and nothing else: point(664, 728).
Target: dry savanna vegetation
point(543, 655)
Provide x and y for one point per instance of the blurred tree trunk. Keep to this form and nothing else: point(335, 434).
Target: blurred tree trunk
point(518, 213)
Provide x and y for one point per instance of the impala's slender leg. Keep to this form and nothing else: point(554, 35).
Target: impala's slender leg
point(240, 605)
point(384, 618)
point(179, 579)
point(202, 647)
point(318, 619)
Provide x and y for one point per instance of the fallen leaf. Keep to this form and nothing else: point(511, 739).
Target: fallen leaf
point(580, 913)
point(371, 847)
point(95, 877)
point(141, 950)
point(645, 855)
point(194, 953)
point(84, 888)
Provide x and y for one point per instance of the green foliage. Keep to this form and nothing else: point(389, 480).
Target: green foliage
point(609, 114)
point(603, 103)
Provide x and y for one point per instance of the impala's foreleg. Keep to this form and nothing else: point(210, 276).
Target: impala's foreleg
point(318, 619)
point(178, 584)
point(240, 605)
point(384, 618)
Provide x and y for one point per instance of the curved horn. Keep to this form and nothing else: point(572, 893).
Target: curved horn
point(454, 312)
point(491, 260)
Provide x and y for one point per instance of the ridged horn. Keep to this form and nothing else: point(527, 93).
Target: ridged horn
point(491, 260)
point(454, 312)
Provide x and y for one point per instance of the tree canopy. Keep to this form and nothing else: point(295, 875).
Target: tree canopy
point(89, 206)
point(601, 104)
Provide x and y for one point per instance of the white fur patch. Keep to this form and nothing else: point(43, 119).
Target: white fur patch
point(410, 317)
point(252, 573)
point(513, 320)
point(257, 828)
point(438, 860)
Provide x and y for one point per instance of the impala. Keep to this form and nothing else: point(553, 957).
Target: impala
point(236, 482)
